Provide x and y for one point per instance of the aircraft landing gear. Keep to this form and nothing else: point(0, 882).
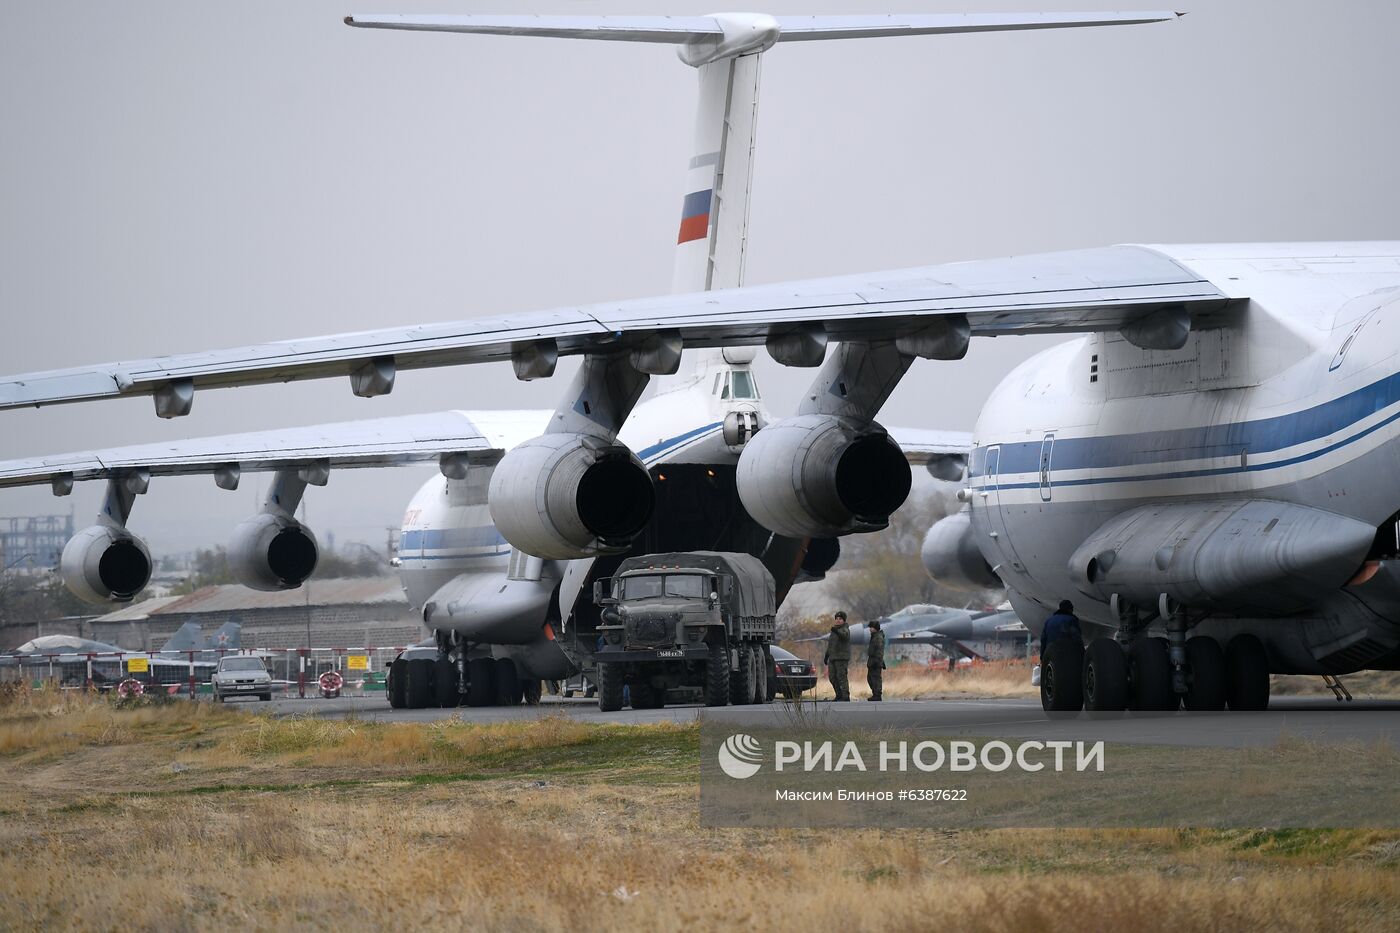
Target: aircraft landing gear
point(481, 681)
point(445, 683)
point(1246, 674)
point(1105, 677)
point(1150, 676)
point(1062, 677)
point(1205, 660)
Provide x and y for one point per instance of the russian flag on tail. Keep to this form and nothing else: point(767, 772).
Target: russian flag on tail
point(695, 216)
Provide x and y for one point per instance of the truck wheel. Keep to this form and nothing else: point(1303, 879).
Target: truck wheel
point(397, 686)
point(420, 683)
point(507, 683)
point(717, 676)
point(741, 682)
point(610, 683)
point(642, 696)
point(763, 666)
point(445, 683)
point(481, 681)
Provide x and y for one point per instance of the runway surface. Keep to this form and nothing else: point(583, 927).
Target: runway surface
point(1316, 719)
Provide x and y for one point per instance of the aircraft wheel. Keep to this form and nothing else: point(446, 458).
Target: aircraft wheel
point(397, 686)
point(741, 682)
point(610, 683)
point(717, 675)
point(420, 683)
point(1246, 674)
point(508, 691)
point(1062, 677)
point(534, 691)
point(1105, 677)
point(445, 684)
point(1206, 660)
point(1150, 676)
point(481, 681)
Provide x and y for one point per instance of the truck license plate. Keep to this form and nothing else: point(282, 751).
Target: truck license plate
point(670, 653)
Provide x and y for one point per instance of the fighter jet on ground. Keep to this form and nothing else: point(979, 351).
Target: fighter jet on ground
point(943, 627)
point(74, 657)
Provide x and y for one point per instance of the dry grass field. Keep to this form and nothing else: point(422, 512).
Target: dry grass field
point(188, 816)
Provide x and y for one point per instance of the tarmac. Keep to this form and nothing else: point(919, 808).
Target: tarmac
point(1311, 718)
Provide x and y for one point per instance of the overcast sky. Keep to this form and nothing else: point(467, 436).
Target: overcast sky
point(179, 176)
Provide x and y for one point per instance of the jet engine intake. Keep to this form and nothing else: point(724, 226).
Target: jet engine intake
point(105, 564)
point(951, 556)
point(821, 476)
point(271, 552)
point(567, 496)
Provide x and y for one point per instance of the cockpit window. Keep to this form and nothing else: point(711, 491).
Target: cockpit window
point(743, 384)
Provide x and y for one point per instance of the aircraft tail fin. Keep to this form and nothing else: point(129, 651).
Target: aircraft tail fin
point(185, 638)
point(227, 636)
point(691, 30)
point(725, 48)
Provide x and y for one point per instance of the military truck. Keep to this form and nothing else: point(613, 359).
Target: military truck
point(701, 619)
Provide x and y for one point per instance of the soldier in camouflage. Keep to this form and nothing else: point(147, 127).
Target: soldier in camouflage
point(875, 662)
point(838, 658)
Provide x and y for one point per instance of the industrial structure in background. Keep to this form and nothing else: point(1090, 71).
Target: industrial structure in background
point(369, 611)
point(34, 542)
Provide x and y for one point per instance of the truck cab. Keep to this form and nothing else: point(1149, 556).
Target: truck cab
point(699, 619)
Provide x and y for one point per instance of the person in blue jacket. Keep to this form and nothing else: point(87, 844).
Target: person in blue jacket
point(1063, 624)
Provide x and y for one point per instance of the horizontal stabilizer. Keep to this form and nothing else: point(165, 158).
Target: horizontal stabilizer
point(684, 29)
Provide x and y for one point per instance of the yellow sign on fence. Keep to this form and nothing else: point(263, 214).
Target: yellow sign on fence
point(138, 665)
point(357, 662)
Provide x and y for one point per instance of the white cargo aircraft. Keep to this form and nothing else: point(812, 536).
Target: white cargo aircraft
point(1210, 459)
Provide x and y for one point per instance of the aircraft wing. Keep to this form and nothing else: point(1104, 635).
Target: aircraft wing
point(922, 445)
point(1104, 289)
point(483, 436)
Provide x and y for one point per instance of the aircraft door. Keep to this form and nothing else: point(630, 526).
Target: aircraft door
point(997, 509)
point(1047, 450)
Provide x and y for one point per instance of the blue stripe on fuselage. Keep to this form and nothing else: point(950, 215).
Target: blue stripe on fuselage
point(1175, 445)
point(665, 446)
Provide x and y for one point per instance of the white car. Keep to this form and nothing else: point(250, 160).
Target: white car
point(242, 675)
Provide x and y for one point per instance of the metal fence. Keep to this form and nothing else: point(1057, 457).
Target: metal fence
point(296, 672)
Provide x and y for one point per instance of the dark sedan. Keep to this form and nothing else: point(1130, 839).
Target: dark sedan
point(790, 674)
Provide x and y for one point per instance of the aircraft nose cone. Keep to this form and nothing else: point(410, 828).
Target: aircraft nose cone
point(953, 628)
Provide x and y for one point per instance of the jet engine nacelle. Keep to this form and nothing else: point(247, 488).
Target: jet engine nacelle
point(951, 557)
point(821, 476)
point(105, 564)
point(567, 496)
point(272, 552)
